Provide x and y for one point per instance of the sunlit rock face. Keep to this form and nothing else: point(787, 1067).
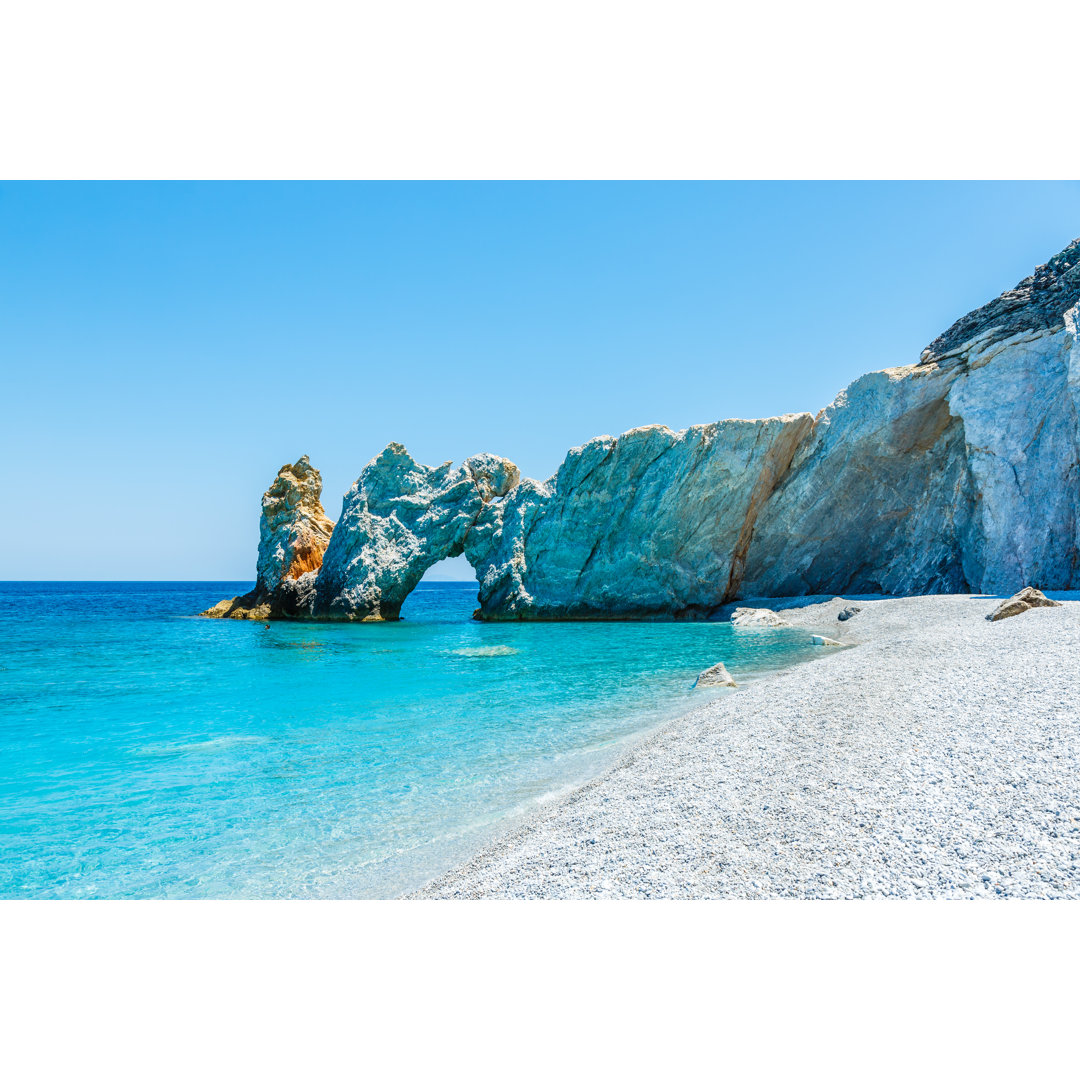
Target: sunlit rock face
point(652, 523)
point(1019, 401)
point(1018, 396)
point(293, 534)
point(870, 503)
point(958, 473)
point(397, 520)
point(294, 529)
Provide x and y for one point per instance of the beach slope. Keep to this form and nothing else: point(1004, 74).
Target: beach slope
point(938, 758)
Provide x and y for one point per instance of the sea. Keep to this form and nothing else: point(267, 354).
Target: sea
point(145, 752)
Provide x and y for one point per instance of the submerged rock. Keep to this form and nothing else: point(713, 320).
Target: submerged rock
point(717, 675)
point(1024, 600)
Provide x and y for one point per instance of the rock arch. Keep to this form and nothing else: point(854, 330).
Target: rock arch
point(397, 520)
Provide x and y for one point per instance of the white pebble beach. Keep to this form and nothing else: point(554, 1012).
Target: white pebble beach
point(935, 758)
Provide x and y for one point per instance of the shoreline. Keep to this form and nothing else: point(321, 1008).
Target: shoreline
point(938, 759)
point(613, 751)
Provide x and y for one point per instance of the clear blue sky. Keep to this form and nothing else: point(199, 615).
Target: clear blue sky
point(166, 347)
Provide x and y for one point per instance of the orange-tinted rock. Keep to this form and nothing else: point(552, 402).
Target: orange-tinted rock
point(293, 533)
point(294, 529)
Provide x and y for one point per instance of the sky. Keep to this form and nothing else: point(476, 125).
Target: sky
point(166, 347)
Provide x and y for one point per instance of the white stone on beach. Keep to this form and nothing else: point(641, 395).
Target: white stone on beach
point(821, 639)
point(717, 675)
point(756, 617)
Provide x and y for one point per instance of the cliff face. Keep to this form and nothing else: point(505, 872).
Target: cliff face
point(872, 500)
point(958, 473)
point(655, 522)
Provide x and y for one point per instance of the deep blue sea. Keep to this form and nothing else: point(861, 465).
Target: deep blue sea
point(148, 753)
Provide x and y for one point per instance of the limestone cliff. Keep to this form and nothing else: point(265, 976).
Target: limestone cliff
point(294, 529)
point(654, 522)
point(958, 473)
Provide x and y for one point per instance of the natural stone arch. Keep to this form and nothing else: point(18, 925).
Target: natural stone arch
point(397, 521)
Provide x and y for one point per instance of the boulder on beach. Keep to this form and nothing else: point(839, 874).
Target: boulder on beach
point(1035, 598)
point(821, 639)
point(848, 612)
point(755, 617)
point(1024, 600)
point(717, 675)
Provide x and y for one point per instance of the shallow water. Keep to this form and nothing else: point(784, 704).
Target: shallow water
point(146, 753)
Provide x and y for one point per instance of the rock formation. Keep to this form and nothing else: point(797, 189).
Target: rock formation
point(1039, 302)
point(1024, 600)
point(294, 529)
point(398, 519)
point(652, 523)
point(717, 675)
point(293, 534)
point(958, 473)
point(748, 617)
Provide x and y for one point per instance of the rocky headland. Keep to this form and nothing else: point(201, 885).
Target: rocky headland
point(956, 474)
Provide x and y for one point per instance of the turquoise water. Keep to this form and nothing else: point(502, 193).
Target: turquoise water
point(146, 753)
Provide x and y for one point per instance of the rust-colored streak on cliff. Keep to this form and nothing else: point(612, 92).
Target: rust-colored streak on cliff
point(773, 470)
